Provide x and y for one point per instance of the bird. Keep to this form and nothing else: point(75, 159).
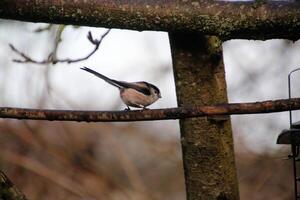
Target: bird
point(134, 94)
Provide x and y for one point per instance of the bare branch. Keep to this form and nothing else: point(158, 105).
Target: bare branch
point(155, 114)
point(46, 28)
point(8, 189)
point(94, 42)
point(52, 59)
point(38, 168)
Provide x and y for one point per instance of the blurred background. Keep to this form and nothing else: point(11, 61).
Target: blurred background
point(137, 160)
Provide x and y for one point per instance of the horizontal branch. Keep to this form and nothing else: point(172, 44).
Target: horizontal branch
point(249, 20)
point(155, 114)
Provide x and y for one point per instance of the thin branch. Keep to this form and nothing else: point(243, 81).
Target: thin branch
point(8, 190)
point(52, 59)
point(53, 54)
point(42, 29)
point(155, 114)
point(46, 172)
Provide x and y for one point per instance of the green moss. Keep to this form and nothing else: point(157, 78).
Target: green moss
point(259, 3)
point(214, 45)
point(207, 145)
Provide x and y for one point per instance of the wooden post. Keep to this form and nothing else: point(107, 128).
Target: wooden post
point(207, 144)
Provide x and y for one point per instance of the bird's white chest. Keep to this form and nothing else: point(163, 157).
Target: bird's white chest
point(134, 98)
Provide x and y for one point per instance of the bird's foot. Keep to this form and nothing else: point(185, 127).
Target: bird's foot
point(127, 109)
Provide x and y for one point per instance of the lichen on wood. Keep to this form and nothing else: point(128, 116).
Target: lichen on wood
point(207, 145)
point(227, 20)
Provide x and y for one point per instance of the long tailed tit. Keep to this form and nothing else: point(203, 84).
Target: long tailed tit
point(135, 94)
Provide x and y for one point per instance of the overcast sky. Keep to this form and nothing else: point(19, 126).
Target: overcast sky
point(255, 70)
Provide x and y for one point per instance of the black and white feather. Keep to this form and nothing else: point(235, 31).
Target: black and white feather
point(135, 94)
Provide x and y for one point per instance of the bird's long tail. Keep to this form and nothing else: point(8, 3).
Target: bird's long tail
point(110, 81)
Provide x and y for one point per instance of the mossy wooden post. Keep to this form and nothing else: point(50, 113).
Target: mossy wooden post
point(207, 144)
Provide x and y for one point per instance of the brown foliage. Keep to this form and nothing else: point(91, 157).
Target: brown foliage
point(90, 161)
point(54, 160)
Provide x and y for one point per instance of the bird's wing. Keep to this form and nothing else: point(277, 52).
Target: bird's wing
point(142, 87)
point(110, 81)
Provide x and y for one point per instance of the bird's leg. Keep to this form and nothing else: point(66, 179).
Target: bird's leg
point(127, 109)
point(144, 108)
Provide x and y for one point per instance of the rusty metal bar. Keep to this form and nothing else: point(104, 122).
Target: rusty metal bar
point(250, 20)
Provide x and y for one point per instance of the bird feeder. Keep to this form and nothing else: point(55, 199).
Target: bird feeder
point(291, 137)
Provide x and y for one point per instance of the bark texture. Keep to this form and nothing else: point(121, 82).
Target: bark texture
point(153, 114)
point(228, 20)
point(207, 146)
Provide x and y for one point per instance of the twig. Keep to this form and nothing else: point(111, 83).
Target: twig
point(52, 59)
point(41, 29)
point(40, 169)
point(8, 189)
point(155, 114)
